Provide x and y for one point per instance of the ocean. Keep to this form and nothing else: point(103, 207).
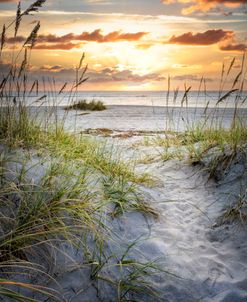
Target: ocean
point(141, 98)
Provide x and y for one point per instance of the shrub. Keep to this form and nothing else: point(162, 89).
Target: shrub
point(84, 105)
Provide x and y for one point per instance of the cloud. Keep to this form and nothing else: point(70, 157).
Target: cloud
point(98, 2)
point(54, 68)
point(105, 75)
point(191, 77)
point(205, 5)
point(233, 47)
point(225, 39)
point(208, 37)
point(58, 46)
point(114, 75)
point(94, 36)
point(114, 36)
point(144, 46)
point(176, 66)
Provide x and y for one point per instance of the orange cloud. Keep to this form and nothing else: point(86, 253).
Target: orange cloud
point(208, 37)
point(190, 77)
point(95, 36)
point(126, 75)
point(225, 39)
point(54, 68)
point(58, 46)
point(115, 36)
point(204, 5)
point(234, 47)
point(144, 46)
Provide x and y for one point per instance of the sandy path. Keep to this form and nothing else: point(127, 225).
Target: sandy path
point(212, 261)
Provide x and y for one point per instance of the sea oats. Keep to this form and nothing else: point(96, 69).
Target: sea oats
point(18, 18)
point(23, 64)
point(3, 37)
point(34, 7)
point(30, 41)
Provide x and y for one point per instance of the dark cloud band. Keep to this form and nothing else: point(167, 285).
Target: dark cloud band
point(208, 37)
point(67, 41)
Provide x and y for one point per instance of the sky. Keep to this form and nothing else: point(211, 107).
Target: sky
point(131, 45)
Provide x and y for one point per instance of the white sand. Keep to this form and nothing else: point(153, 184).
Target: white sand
point(210, 262)
point(148, 118)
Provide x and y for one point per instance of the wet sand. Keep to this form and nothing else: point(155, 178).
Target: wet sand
point(147, 118)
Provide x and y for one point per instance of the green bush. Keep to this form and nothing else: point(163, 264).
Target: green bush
point(84, 105)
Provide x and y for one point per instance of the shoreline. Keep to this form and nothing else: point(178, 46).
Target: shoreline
point(141, 118)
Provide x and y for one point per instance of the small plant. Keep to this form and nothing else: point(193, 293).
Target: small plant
point(237, 213)
point(125, 197)
point(132, 281)
point(85, 105)
point(17, 128)
point(95, 154)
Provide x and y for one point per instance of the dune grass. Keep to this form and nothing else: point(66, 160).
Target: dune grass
point(17, 128)
point(34, 221)
point(85, 105)
point(63, 204)
point(125, 197)
point(194, 143)
point(210, 131)
point(236, 213)
point(105, 159)
point(38, 218)
point(66, 206)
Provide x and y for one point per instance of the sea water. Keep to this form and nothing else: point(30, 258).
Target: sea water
point(141, 98)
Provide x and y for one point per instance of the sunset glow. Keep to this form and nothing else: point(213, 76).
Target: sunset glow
point(133, 45)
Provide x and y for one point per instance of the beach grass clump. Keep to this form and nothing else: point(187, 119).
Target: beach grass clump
point(131, 279)
point(38, 218)
point(125, 197)
point(233, 136)
point(39, 213)
point(85, 105)
point(35, 220)
point(62, 208)
point(17, 128)
point(95, 154)
point(8, 286)
point(236, 213)
point(197, 141)
point(209, 130)
point(133, 282)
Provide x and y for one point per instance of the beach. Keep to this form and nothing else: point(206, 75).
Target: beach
point(141, 118)
point(123, 151)
point(193, 254)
